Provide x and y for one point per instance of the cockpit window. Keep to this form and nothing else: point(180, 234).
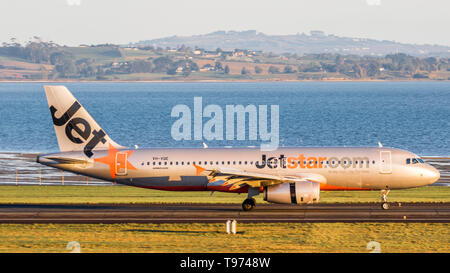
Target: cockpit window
point(414, 160)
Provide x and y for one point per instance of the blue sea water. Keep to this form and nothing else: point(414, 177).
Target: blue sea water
point(408, 115)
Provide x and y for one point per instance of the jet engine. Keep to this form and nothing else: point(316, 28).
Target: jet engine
point(293, 193)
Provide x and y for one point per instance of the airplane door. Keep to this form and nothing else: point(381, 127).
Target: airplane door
point(121, 163)
point(385, 162)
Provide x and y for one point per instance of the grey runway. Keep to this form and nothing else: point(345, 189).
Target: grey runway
point(217, 213)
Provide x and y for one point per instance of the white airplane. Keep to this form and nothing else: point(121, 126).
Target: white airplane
point(287, 175)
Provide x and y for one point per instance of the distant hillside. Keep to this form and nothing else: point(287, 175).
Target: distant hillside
point(315, 42)
point(40, 60)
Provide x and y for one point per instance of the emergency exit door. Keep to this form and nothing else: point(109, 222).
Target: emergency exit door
point(385, 162)
point(121, 163)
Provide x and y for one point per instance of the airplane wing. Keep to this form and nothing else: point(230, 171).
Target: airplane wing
point(238, 178)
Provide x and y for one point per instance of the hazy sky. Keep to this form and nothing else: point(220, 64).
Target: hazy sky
point(73, 22)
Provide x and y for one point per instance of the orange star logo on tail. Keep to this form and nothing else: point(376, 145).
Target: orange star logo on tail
point(110, 159)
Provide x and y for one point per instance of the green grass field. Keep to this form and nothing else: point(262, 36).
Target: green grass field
point(278, 237)
point(197, 237)
point(130, 195)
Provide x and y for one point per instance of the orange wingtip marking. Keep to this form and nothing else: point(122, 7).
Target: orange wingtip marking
point(198, 169)
point(235, 187)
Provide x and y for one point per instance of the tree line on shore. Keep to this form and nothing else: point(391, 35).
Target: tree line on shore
point(68, 64)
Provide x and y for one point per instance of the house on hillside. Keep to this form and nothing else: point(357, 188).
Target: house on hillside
point(239, 53)
point(210, 54)
point(207, 67)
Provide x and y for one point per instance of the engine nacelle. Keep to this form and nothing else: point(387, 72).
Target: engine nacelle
point(293, 193)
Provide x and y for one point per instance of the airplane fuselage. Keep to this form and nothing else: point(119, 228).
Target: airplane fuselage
point(285, 175)
point(336, 168)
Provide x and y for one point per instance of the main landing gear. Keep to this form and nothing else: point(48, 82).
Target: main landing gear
point(250, 202)
point(384, 203)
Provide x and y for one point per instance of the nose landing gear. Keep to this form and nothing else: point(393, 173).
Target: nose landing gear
point(384, 204)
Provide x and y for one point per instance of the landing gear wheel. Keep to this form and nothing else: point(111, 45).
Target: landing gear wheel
point(384, 203)
point(248, 204)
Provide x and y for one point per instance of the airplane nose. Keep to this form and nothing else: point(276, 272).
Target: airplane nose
point(431, 174)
